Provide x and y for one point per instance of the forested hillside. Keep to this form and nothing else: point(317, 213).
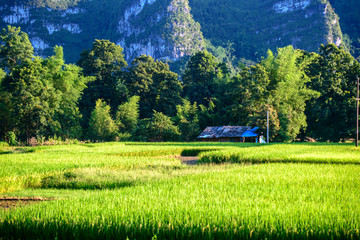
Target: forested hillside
point(171, 29)
point(348, 11)
point(258, 25)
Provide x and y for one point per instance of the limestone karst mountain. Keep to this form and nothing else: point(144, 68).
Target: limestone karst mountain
point(171, 29)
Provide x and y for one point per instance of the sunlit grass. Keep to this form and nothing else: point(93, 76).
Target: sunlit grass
point(261, 201)
point(139, 190)
point(306, 153)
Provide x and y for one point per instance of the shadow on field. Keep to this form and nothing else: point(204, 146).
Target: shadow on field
point(87, 180)
point(100, 178)
point(18, 150)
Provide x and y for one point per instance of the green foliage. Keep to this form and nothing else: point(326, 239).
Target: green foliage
point(224, 55)
point(333, 74)
point(5, 105)
point(15, 48)
point(127, 115)
point(278, 85)
point(157, 86)
point(11, 139)
point(40, 95)
point(142, 132)
point(102, 126)
point(34, 100)
point(187, 120)
point(105, 62)
point(161, 128)
point(200, 77)
point(69, 84)
point(251, 99)
point(289, 93)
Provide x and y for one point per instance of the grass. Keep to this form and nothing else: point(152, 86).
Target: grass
point(27, 168)
point(299, 153)
point(115, 190)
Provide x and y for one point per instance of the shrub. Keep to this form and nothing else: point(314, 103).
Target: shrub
point(11, 138)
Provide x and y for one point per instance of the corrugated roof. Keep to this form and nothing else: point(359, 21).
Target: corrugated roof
point(227, 131)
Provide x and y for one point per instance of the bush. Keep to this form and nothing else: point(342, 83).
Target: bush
point(102, 126)
point(11, 139)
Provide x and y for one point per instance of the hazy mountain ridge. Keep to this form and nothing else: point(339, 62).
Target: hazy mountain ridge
point(166, 29)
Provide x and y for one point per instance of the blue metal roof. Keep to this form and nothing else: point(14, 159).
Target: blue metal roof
point(250, 133)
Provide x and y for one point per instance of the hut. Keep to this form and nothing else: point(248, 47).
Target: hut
point(229, 134)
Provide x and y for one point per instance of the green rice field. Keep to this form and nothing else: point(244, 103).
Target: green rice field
point(145, 191)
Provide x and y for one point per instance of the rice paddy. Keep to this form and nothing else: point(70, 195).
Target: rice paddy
point(141, 191)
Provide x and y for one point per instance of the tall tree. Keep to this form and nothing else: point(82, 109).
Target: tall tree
point(5, 105)
point(69, 83)
point(41, 95)
point(278, 85)
point(250, 93)
point(188, 121)
point(104, 61)
point(15, 47)
point(200, 77)
point(158, 88)
point(34, 99)
point(289, 92)
point(333, 73)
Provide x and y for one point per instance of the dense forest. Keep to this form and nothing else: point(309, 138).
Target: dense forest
point(104, 98)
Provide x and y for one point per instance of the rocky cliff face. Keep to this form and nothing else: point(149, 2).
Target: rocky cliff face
point(166, 29)
point(163, 29)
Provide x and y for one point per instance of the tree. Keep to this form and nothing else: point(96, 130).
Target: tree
point(15, 47)
point(250, 93)
point(5, 106)
point(278, 85)
point(104, 61)
point(128, 114)
point(38, 95)
point(69, 83)
point(162, 128)
point(187, 120)
point(157, 87)
point(157, 128)
point(333, 73)
point(34, 99)
point(102, 126)
point(200, 77)
point(289, 92)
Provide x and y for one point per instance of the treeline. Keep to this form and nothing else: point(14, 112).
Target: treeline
point(103, 98)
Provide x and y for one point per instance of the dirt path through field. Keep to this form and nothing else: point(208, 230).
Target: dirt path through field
point(191, 160)
point(11, 202)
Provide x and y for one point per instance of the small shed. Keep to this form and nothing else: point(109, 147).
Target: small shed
point(229, 134)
